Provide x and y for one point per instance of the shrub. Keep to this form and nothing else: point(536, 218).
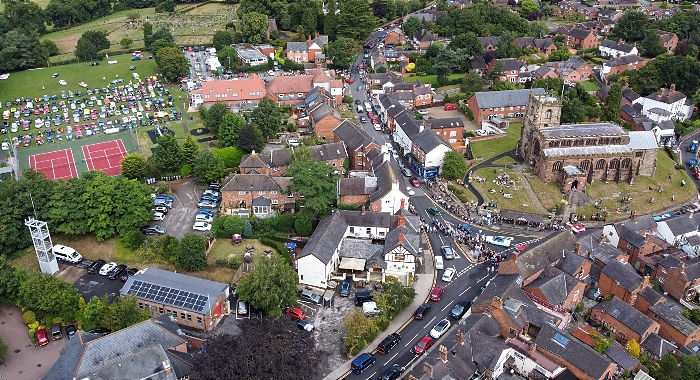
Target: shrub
point(163, 187)
point(303, 224)
point(3, 350)
point(671, 153)
point(132, 240)
point(186, 170)
point(34, 325)
point(579, 307)
point(28, 317)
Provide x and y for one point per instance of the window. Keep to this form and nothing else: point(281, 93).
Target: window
point(548, 114)
point(626, 163)
point(453, 133)
point(140, 305)
point(260, 210)
point(369, 231)
point(584, 165)
point(557, 166)
point(261, 192)
point(160, 310)
point(189, 318)
point(273, 192)
point(199, 320)
point(600, 164)
point(660, 279)
point(352, 230)
point(274, 202)
point(182, 316)
point(241, 192)
point(154, 309)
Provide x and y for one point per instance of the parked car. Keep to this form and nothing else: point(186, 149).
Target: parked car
point(415, 182)
point(153, 230)
point(388, 343)
point(422, 311)
point(406, 171)
point(447, 252)
point(56, 332)
point(128, 273)
point(392, 373)
point(309, 296)
point(101, 331)
point(503, 241)
point(116, 272)
point(206, 204)
point(208, 213)
point(448, 274)
point(295, 313)
point(440, 329)
point(71, 330)
point(437, 292)
point(158, 216)
point(423, 345)
point(346, 287)
point(95, 266)
point(107, 267)
point(41, 337)
point(410, 191)
point(450, 107)
point(161, 209)
point(201, 226)
point(303, 325)
point(423, 112)
point(211, 198)
point(242, 308)
point(460, 309)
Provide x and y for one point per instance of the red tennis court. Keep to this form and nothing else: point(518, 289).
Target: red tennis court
point(106, 156)
point(58, 164)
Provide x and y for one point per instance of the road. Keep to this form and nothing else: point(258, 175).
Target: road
point(684, 156)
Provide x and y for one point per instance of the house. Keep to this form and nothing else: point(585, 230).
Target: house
point(668, 39)
point(617, 49)
point(680, 279)
point(395, 36)
point(532, 262)
point(621, 280)
point(263, 194)
point(573, 69)
point(622, 63)
point(580, 39)
point(628, 95)
point(579, 358)
point(510, 69)
point(635, 244)
point(668, 99)
point(623, 321)
point(657, 347)
point(556, 288)
point(639, 224)
point(380, 82)
point(195, 302)
point(154, 349)
point(489, 104)
point(302, 52)
point(290, 90)
point(451, 129)
point(427, 154)
point(530, 363)
point(490, 43)
point(239, 94)
point(324, 120)
point(406, 127)
point(276, 161)
point(542, 45)
point(676, 230)
point(423, 39)
point(356, 191)
point(249, 55)
point(357, 142)
point(674, 326)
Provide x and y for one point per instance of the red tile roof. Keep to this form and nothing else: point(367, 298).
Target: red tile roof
point(251, 88)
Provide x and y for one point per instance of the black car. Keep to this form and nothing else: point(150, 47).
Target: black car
point(101, 331)
point(358, 101)
point(393, 373)
point(128, 273)
point(116, 272)
point(153, 230)
point(71, 331)
point(346, 287)
point(460, 309)
point(95, 266)
point(422, 311)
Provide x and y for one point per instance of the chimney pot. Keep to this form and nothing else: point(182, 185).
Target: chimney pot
point(442, 353)
point(401, 237)
point(577, 248)
point(403, 206)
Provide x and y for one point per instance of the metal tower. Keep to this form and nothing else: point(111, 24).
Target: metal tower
point(42, 245)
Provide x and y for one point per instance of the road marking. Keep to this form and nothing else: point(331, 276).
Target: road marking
point(431, 321)
point(482, 279)
point(371, 376)
point(392, 358)
point(465, 290)
point(346, 374)
point(446, 306)
point(412, 339)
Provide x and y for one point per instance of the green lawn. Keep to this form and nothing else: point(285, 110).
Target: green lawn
point(489, 148)
point(590, 85)
point(431, 78)
point(549, 194)
point(521, 200)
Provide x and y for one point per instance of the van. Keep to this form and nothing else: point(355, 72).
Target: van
point(370, 309)
point(438, 263)
point(360, 109)
point(56, 333)
point(388, 343)
point(65, 253)
point(362, 297)
point(362, 362)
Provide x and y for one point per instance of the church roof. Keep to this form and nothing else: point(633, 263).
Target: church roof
point(583, 130)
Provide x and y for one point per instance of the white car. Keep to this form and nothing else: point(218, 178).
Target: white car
point(482, 132)
point(448, 274)
point(201, 226)
point(107, 267)
point(377, 127)
point(158, 216)
point(503, 241)
point(423, 112)
point(440, 329)
point(62, 82)
point(410, 191)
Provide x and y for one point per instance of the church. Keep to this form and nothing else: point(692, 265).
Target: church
point(578, 154)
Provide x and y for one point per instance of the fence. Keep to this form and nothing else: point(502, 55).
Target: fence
point(133, 139)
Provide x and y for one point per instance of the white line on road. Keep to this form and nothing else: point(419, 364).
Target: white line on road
point(482, 279)
point(431, 321)
point(446, 306)
point(371, 376)
point(411, 341)
point(465, 290)
point(411, 361)
point(392, 358)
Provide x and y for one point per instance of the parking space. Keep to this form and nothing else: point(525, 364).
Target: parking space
point(179, 219)
point(90, 285)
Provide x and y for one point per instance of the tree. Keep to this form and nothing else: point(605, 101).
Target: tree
point(9, 286)
point(254, 28)
point(316, 181)
point(342, 52)
point(613, 104)
point(156, 45)
point(631, 27)
point(134, 166)
point(229, 156)
point(304, 224)
point(162, 34)
point(272, 284)
point(266, 118)
point(539, 29)
point(231, 125)
point(355, 20)
point(49, 296)
point(192, 253)
point(168, 155)
point(221, 39)
point(527, 7)
point(453, 166)
point(93, 312)
point(165, 6)
point(359, 331)
point(270, 350)
point(250, 139)
point(633, 348)
point(89, 45)
point(573, 111)
point(472, 82)
point(651, 46)
point(126, 42)
point(468, 43)
point(3, 350)
point(190, 149)
point(172, 63)
point(559, 55)
point(24, 15)
point(207, 168)
point(147, 34)
point(122, 313)
point(228, 56)
point(214, 115)
point(507, 47)
point(413, 25)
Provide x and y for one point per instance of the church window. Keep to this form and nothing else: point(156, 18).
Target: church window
point(600, 164)
point(557, 166)
point(548, 114)
point(626, 163)
point(584, 165)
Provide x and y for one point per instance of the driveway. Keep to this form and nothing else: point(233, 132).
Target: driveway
point(440, 113)
point(180, 218)
point(23, 359)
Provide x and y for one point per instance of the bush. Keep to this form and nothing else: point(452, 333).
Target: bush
point(671, 153)
point(347, 99)
point(163, 187)
point(132, 240)
point(3, 350)
point(303, 224)
point(186, 170)
point(680, 167)
point(579, 307)
point(34, 325)
point(28, 317)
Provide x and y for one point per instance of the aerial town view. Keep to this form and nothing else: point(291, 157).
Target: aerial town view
point(350, 189)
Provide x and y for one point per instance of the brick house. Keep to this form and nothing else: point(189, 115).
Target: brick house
point(239, 94)
point(395, 36)
point(580, 39)
point(324, 120)
point(623, 321)
point(636, 245)
point(263, 194)
point(276, 161)
point(679, 278)
point(302, 52)
point(542, 45)
point(490, 43)
point(673, 325)
point(624, 63)
point(290, 90)
point(357, 142)
point(557, 288)
point(451, 129)
point(533, 261)
point(573, 69)
point(510, 67)
point(423, 39)
point(478, 65)
point(621, 280)
point(427, 153)
point(489, 104)
point(668, 39)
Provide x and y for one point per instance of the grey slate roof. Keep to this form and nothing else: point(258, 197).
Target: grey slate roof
point(429, 140)
point(622, 357)
point(510, 64)
point(492, 99)
point(67, 363)
point(252, 182)
point(690, 269)
point(544, 253)
point(681, 225)
point(667, 96)
point(658, 346)
point(579, 354)
point(642, 223)
point(630, 317)
point(623, 274)
point(477, 63)
point(571, 263)
point(408, 124)
point(596, 150)
point(330, 151)
point(619, 46)
point(593, 129)
point(555, 284)
point(491, 40)
point(623, 61)
point(386, 173)
point(297, 46)
point(631, 236)
point(651, 295)
point(448, 122)
point(326, 238)
point(352, 135)
point(178, 281)
point(411, 240)
point(672, 315)
point(354, 186)
point(578, 33)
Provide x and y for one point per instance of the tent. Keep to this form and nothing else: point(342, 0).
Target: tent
point(352, 263)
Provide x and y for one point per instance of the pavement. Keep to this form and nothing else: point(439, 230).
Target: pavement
point(423, 284)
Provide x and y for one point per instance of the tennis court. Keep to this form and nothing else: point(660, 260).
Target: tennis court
point(105, 156)
point(58, 164)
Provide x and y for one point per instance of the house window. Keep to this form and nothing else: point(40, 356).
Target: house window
point(199, 320)
point(261, 192)
point(160, 310)
point(301, 277)
point(154, 309)
point(453, 133)
point(660, 279)
point(352, 230)
point(369, 231)
point(273, 192)
point(274, 202)
point(260, 209)
point(140, 305)
point(557, 166)
point(182, 316)
point(399, 257)
point(189, 318)
point(241, 192)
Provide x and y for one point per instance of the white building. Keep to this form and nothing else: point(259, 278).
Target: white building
point(676, 105)
point(615, 49)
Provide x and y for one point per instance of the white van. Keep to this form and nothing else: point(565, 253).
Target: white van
point(360, 109)
point(438, 263)
point(65, 253)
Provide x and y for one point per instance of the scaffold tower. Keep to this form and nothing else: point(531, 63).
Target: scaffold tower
point(42, 245)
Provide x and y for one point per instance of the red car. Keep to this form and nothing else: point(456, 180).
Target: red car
point(436, 294)
point(423, 345)
point(295, 313)
point(350, 80)
point(41, 337)
point(450, 107)
point(577, 228)
point(415, 182)
point(522, 247)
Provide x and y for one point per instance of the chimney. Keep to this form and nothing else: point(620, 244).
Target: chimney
point(401, 237)
point(428, 369)
point(252, 153)
point(634, 218)
point(166, 367)
point(402, 219)
point(602, 239)
point(619, 40)
point(385, 156)
point(532, 347)
point(497, 303)
point(673, 88)
point(577, 248)
point(459, 337)
point(442, 353)
point(645, 282)
point(394, 185)
point(690, 214)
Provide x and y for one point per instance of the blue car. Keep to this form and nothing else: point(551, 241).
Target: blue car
point(206, 212)
point(345, 289)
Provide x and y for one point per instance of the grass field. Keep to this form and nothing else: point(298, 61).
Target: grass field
point(549, 194)
point(590, 85)
point(521, 201)
point(489, 148)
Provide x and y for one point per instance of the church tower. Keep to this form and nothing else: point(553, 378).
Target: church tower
point(543, 110)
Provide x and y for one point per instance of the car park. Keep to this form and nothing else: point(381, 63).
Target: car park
point(362, 362)
point(423, 345)
point(201, 226)
point(503, 241)
point(41, 338)
point(388, 343)
point(447, 252)
point(460, 309)
point(448, 274)
point(95, 266)
point(422, 311)
point(107, 267)
point(437, 292)
point(153, 230)
point(440, 329)
point(392, 373)
point(116, 272)
point(127, 273)
point(346, 287)
point(433, 211)
point(309, 296)
point(304, 325)
point(242, 307)
point(295, 313)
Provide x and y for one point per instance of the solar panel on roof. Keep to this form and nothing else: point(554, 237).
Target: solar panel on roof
point(179, 303)
point(561, 339)
point(137, 283)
